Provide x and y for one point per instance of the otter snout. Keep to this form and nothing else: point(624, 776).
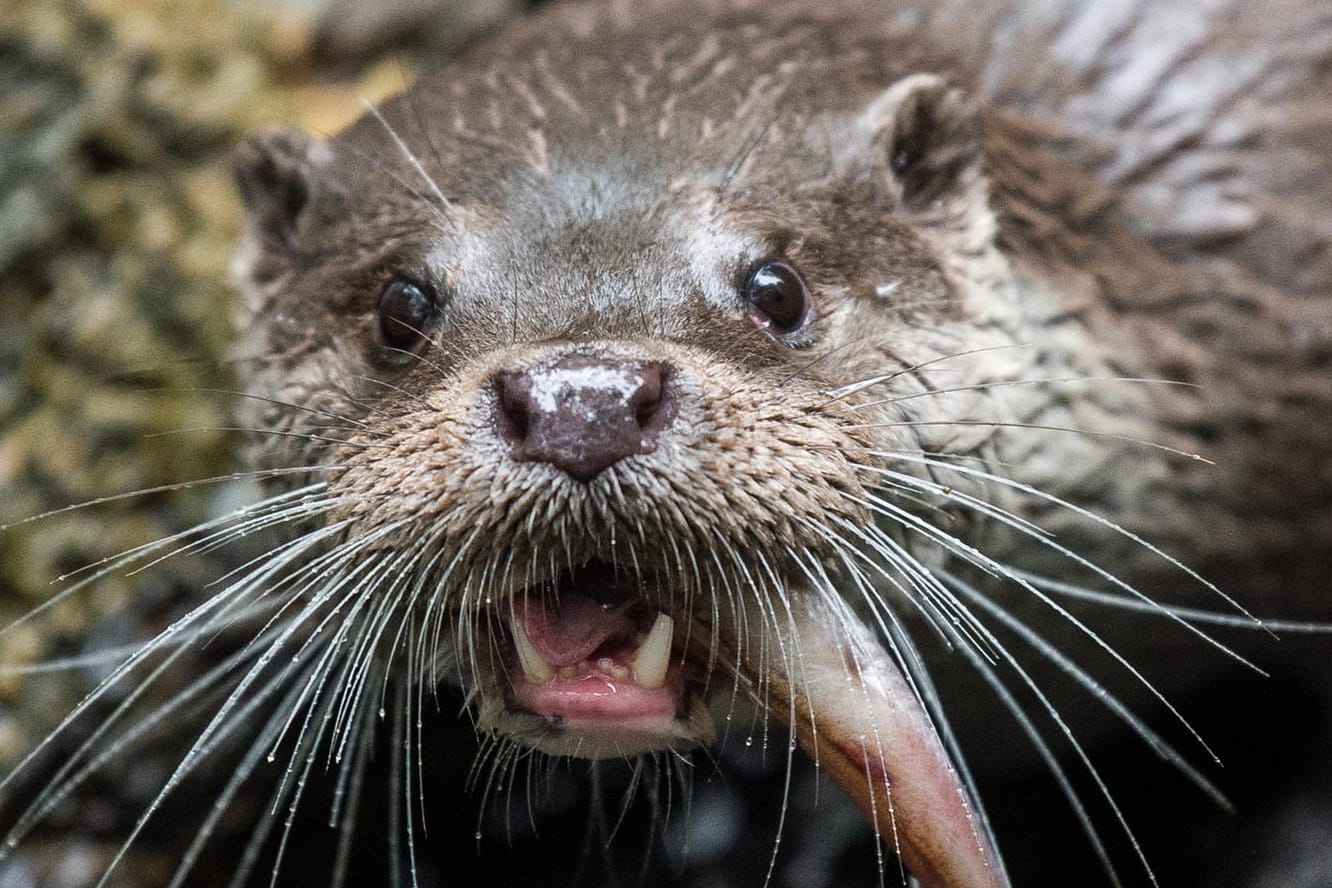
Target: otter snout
point(582, 414)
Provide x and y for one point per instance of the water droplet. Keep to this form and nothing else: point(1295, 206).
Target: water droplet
point(382, 713)
point(749, 741)
point(478, 835)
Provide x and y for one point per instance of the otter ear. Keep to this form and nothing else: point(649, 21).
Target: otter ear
point(930, 134)
point(277, 171)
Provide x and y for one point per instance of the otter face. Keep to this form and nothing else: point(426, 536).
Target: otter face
point(601, 416)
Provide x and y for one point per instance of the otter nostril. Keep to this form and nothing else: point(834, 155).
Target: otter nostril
point(583, 414)
point(649, 401)
point(513, 417)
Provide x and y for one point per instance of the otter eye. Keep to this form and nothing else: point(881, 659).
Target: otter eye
point(408, 312)
point(778, 298)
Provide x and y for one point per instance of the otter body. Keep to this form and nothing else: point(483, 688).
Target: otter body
point(654, 363)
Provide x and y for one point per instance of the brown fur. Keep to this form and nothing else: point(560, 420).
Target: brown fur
point(1020, 224)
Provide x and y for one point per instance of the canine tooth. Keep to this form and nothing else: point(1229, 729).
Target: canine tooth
point(535, 669)
point(654, 654)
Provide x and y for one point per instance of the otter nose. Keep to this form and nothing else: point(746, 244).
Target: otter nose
point(583, 414)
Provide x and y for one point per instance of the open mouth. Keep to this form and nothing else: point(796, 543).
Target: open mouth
point(591, 664)
point(601, 663)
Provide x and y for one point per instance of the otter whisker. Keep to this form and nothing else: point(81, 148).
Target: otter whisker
point(819, 581)
point(255, 474)
point(172, 635)
point(218, 722)
point(254, 847)
point(306, 751)
point(220, 726)
point(279, 402)
point(444, 202)
point(379, 165)
point(934, 600)
point(375, 409)
point(323, 668)
point(345, 793)
point(894, 632)
point(1098, 519)
point(242, 773)
point(1051, 762)
point(971, 653)
point(1009, 383)
point(308, 576)
point(75, 770)
point(397, 773)
point(352, 443)
point(972, 555)
point(917, 676)
point(857, 386)
point(306, 508)
point(1194, 615)
point(353, 771)
point(913, 672)
point(1095, 689)
point(364, 656)
point(1081, 753)
point(409, 744)
point(105, 566)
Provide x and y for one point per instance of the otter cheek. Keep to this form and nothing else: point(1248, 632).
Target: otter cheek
point(853, 711)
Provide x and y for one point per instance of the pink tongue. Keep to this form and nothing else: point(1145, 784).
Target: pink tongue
point(571, 633)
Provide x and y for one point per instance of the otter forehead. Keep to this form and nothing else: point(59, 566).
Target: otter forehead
point(604, 233)
point(567, 253)
point(685, 80)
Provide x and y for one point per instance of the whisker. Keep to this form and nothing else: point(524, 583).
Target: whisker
point(444, 202)
point(852, 388)
point(998, 424)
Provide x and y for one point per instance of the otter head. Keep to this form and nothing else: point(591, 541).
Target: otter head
point(600, 387)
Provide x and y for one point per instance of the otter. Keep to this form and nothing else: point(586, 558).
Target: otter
point(656, 363)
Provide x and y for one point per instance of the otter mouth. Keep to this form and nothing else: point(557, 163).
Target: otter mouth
point(591, 664)
point(600, 663)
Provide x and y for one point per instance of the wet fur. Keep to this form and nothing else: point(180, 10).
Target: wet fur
point(999, 327)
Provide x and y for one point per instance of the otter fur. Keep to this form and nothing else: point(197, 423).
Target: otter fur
point(950, 384)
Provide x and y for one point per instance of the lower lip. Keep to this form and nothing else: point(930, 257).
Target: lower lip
point(598, 697)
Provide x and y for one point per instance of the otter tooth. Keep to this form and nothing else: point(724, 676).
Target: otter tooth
point(535, 669)
point(654, 654)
